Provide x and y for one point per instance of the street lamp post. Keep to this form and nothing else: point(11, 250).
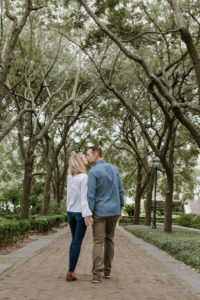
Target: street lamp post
point(156, 162)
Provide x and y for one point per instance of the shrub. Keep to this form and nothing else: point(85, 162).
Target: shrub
point(65, 216)
point(11, 217)
point(36, 204)
point(40, 224)
point(10, 201)
point(126, 220)
point(185, 220)
point(10, 229)
point(129, 209)
point(24, 226)
point(195, 222)
point(46, 223)
point(8, 217)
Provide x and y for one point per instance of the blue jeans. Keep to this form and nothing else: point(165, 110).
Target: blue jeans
point(78, 230)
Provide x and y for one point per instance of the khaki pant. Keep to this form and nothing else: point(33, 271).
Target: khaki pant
point(103, 245)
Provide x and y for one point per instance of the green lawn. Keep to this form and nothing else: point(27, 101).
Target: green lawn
point(182, 244)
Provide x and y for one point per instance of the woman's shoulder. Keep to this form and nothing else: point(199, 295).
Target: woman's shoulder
point(82, 176)
point(78, 177)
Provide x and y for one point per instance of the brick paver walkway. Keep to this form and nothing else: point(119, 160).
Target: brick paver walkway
point(136, 275)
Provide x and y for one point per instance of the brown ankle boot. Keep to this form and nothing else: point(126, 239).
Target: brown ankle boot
point(70, 276)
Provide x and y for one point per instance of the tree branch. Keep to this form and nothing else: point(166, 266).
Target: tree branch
point(187, 38)
point(113, 67)
point(150, 32)
point(133, 56)
point(9, 15)
point(61, 108)
point(11, 125)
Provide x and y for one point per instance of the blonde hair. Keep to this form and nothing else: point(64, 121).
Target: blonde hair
point(76, 165)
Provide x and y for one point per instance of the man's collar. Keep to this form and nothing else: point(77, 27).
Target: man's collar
point(100, 161)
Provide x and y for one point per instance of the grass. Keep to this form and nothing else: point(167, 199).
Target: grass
point(183, 244)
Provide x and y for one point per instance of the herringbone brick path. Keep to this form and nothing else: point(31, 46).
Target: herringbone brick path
point(136, 275)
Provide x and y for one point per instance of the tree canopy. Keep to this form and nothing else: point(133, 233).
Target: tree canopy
point(118, 73)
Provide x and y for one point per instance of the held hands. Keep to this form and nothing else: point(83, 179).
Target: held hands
point(89, 221)
point(120, 217)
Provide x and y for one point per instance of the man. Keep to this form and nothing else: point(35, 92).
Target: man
point(106, 199)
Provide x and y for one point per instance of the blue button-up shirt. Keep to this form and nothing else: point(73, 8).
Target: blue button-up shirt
point(105, 190)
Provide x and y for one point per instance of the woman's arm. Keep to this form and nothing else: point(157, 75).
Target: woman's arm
point(84, 203)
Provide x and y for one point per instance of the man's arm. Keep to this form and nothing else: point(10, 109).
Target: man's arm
point(121, 192)
point(91, 194)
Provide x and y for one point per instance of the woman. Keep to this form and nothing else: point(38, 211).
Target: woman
point(77, 208)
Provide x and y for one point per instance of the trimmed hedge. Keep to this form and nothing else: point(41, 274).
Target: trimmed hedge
point(11, 229)
point(189, 220)
point(196, 222)
point(10, 217)
point(126, 220)
point(129, 220)
point(46, 223)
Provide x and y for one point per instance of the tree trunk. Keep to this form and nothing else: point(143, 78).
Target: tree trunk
point(149, 199)
point(139, 190)
point(47, 187)
point(58, 192)
point(28, 176)
point(62, 184)
point(170, 182)
point(168, 203)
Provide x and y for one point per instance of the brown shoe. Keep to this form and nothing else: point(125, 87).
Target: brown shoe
point(71, 277)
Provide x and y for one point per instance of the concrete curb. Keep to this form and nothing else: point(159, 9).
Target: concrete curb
point(182, 271)
point(4, 267)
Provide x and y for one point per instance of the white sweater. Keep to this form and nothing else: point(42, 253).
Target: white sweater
point(77, 194)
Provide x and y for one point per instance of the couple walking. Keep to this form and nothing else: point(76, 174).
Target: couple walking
point(97, 200)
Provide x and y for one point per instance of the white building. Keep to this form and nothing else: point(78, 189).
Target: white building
point(193, 206)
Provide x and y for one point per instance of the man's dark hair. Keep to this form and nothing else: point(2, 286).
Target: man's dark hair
point(96, 149)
